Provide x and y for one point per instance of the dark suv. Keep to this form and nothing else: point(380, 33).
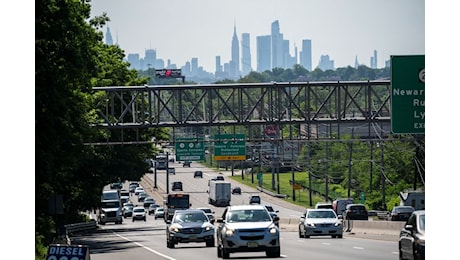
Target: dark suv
point(198, 174)
point(355, 212)
point(254, 199)
point(177, 185)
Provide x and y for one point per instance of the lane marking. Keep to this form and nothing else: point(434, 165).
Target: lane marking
point(145, 247)
point(359, 248)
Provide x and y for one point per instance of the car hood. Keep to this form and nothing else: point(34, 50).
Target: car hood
point(248, 225)
point(192, 225)
point(321, 220)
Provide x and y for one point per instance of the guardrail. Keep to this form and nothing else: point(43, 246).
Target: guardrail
point(81, 227)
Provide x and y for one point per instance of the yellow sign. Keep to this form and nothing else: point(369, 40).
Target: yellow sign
point(230, 157)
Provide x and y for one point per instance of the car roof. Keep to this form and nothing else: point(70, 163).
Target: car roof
point(189, 211)
point(243, 207)
point(320, 210)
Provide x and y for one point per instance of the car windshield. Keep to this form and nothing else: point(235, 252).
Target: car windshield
point(139, 210)
point(110, 204)
point(321, 214)
point(421, 222)
point(190, 217)
point(256, 215)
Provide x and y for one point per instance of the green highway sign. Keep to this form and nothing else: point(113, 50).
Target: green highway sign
point(190, 149)
point(408, 94)
point(228, 147)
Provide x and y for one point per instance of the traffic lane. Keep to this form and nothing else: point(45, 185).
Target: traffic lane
point(139, 241)
point(198, 188)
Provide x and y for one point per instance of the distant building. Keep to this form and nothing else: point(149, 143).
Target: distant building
point(108, 37)
point(276, 46)
point(356, 62)
point(218, 65)
point(374, 60)
point(134, 61)
point(263, 53)
point(325, 63)
point(235, 62)
point(305, 55)
point(245, 54)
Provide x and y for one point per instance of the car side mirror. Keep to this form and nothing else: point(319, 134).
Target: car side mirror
point(212, 221)
point(276, 218)
point(409, 227)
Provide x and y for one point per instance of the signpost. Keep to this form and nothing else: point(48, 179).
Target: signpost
point(190, 149)
point(408, 94)
point(228, 147)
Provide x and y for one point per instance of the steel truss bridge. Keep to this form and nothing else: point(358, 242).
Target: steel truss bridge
point(317, 109)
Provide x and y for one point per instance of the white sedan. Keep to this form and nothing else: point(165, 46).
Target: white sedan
point(139, 213)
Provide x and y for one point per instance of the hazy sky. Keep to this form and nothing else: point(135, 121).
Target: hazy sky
point(343, 29)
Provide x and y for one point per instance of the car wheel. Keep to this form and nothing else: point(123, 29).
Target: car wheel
point(225, 253)
point(400, 254)
point(273, 253)
point(219, 252)
point(300, 234)
point(210, 242)
point(340, 236)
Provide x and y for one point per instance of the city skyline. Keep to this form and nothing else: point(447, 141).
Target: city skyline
point(205, 29)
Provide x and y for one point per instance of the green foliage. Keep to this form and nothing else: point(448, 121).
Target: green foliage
point(70, 60)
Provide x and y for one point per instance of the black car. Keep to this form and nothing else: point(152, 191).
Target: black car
point(355, 212)
point(172, 171)
point(186, 164)
point(401, 213)
point(412, 237)
point(236, 190)
point(254, 199)
point(198, 174)
point(177, 185)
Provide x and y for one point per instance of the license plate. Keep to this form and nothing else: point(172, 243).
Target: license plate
point(253, 244)
point(192, 237)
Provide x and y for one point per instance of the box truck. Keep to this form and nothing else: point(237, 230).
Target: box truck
point(220, 193)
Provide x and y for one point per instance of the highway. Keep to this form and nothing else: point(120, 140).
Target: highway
point(147, 240)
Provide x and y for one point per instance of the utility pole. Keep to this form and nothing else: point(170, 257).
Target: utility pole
point(350, 163)
point(384, 205)
point(326, 171)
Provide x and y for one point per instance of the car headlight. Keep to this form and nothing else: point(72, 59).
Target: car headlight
point(338, 223)
point(229, 232)
point(207, 228)
point(273, 230)
point(174, 229)
point(420, 241)
point(310, 224)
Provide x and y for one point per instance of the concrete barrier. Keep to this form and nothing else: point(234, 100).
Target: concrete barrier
point(357, 226)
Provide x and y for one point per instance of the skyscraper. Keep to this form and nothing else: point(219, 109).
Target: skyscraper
point(263, 53)
point(277, 46)
point(374, 60)
point(325, 63)
point(305, 55)
point(245, 54)
point(235, 62)
point(108, 37)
